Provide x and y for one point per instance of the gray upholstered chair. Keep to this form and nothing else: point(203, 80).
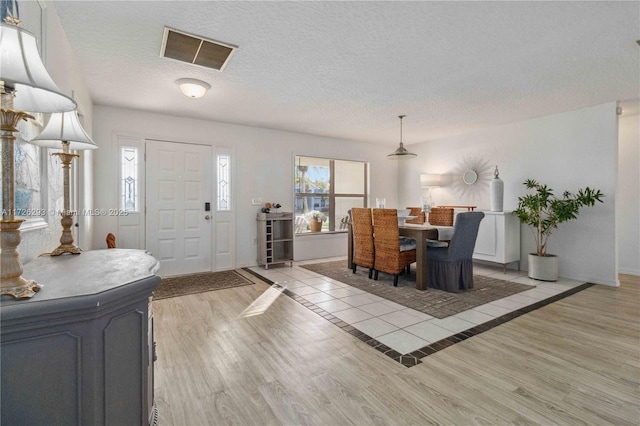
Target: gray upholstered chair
point(451, 268)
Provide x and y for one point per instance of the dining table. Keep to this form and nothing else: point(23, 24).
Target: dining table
point(420, 233)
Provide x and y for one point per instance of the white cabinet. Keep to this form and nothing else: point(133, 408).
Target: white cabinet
point(498, 238)
point(275, 238)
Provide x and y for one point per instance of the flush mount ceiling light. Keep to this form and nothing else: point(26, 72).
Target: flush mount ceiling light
point(193, 88)
point(401, 153)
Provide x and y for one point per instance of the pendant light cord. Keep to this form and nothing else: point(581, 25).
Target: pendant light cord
point(401, 117)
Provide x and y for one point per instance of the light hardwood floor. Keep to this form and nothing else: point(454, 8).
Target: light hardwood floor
point(576, 361)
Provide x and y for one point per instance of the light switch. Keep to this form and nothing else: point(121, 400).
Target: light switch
point(256, 201)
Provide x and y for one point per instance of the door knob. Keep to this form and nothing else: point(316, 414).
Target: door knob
point(207, 217)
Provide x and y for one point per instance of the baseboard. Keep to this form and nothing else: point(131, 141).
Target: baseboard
point(635, 272)
point(610, 283)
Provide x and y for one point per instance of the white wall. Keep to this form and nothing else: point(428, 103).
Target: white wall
point(264, 169)
point(628, 212)
point(567, 151)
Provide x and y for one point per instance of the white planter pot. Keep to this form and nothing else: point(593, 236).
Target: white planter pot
point(543, 268)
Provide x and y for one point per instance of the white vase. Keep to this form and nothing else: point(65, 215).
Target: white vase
point(543, 268)
point(496, 189)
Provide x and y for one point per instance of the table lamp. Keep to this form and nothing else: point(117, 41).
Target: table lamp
point(25, 86)
point(65, 131)
point(428, 181)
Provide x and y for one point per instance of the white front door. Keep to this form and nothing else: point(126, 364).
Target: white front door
point(178, 184)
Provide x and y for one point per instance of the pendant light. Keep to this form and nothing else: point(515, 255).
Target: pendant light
point(401, 153)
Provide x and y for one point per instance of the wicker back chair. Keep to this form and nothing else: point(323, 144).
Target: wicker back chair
point(362, 239)
point(392, 254)
point(421, 217)
point(441, 216)
point(451, 268)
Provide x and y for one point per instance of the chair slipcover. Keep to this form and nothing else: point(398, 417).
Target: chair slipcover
point(451, 268)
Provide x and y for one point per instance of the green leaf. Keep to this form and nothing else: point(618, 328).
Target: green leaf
point(542, 211)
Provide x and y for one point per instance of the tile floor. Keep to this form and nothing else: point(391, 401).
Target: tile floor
point(400, 328)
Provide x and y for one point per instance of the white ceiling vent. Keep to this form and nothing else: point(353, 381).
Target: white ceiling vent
point(195, 50)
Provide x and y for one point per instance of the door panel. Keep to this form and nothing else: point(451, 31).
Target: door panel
point(178, 185)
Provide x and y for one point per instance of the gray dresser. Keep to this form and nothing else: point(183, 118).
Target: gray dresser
point(81, 350)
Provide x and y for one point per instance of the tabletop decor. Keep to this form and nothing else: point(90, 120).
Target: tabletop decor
point(496, 188)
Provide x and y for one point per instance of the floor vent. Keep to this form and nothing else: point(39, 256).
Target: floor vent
point(195, 50)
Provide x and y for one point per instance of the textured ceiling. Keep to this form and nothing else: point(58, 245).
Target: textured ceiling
point(348, 69)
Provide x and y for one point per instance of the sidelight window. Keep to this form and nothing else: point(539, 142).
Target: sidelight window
point(223, 182)
point(129, 179)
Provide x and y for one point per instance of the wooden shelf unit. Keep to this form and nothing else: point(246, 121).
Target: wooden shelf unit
point(275, 238)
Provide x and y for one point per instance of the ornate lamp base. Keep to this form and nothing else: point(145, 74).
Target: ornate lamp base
point(26, 289)
point(66, 240)
point(67, 248)
point(11, 281)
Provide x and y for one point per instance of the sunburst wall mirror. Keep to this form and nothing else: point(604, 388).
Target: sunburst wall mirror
point(470, 178)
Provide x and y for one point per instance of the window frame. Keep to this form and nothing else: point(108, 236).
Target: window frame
point(218, 183)
point(139, 157)
point(331, 195)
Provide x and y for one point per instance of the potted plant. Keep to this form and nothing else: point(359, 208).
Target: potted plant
point(315, 219)
point(542, 211)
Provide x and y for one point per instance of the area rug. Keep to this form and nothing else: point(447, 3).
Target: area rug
point(437, 303)
point(199, 283)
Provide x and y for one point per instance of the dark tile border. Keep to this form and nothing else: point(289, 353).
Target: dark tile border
point(415, 357)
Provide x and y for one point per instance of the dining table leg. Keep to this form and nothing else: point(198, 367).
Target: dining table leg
point(422, 268)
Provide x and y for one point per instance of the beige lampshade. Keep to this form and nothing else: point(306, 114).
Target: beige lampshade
point(22, 69)
point(429, 180)
point(64, 126)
